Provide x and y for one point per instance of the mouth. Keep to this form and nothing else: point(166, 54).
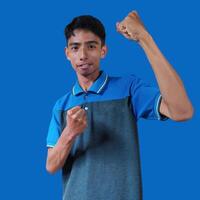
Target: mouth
point(84, 65)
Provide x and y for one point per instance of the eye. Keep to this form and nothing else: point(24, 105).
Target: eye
point(92, 46)
point(74, 48)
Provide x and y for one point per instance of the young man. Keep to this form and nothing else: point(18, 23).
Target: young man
point(93, 132)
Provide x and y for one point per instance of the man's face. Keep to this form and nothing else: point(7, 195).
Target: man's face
point(84, 52)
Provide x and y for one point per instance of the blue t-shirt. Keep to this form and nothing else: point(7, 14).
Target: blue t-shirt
point(104, 161)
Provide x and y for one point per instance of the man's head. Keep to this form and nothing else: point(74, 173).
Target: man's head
point(85, 37)
point(86, 22)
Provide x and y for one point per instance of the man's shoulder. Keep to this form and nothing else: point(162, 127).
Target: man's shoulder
point(124, 79)
point(62, 101)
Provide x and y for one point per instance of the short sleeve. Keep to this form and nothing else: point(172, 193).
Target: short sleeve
point(54, 128)
point(146, 100)
point(160, 116)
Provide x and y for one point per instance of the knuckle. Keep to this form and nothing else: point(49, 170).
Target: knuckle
point(73, 117)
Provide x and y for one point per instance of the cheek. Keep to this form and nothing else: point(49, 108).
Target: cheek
point(73, 59)
point(95, 59)
point(72, 62)
point(96, 56)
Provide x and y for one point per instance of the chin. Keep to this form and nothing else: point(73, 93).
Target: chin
point(86, 72)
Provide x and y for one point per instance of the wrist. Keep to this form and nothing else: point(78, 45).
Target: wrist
point(145, 39)
point(70, 135)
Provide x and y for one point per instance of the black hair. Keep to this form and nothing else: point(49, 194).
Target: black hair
point(86, 22)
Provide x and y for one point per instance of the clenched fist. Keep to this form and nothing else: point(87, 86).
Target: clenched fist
point(76, 120)
point(132, 27)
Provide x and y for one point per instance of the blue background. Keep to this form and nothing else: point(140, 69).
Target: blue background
point(34, 73)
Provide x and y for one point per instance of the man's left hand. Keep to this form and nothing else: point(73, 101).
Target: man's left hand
point(132, 27)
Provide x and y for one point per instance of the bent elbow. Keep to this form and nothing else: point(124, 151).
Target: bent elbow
point(190, 113)
point(50, 169)
point(184, 116)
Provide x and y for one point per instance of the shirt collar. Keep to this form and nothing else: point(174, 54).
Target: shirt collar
point(96, 87)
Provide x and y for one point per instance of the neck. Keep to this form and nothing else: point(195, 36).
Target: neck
point(86, 81)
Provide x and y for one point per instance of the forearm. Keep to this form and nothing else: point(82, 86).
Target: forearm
point(59, 153)
point(170, 84)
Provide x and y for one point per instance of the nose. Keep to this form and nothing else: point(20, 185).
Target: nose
point(83, 54)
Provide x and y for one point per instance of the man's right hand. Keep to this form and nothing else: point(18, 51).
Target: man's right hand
point(76, 123)
point(76, 120)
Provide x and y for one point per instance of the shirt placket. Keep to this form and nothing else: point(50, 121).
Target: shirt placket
point(85, 97)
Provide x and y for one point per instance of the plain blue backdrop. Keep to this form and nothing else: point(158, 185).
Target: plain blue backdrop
point(34, 73)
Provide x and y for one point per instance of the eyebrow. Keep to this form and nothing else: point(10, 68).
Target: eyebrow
point(88, 42)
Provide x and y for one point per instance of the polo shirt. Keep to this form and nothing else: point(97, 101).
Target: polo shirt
point(104, 161)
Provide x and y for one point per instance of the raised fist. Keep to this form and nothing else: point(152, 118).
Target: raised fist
point(131, 27)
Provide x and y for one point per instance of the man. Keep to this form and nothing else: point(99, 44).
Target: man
point(93, 130)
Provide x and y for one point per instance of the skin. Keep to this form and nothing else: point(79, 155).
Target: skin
point(85, 48)
point(85, 51)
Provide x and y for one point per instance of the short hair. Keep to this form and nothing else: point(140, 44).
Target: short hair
point(86, 22)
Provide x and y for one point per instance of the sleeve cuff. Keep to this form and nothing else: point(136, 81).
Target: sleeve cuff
point(50, 145)
point(158, 114)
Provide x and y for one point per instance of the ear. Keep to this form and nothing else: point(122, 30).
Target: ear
point(66, 50)
point(104, 51)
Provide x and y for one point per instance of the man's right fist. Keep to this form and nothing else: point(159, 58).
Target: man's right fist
point(76, 120)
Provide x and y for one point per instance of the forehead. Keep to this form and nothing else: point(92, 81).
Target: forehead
point(83, 36)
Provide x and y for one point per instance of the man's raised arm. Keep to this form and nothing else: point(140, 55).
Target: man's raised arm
point(175, 103)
